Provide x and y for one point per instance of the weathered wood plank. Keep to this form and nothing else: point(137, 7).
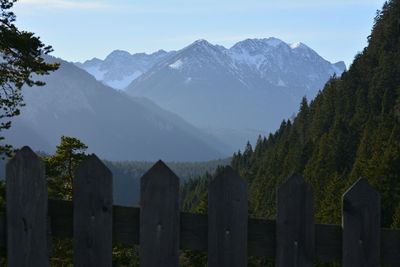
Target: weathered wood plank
point(159, 217)
point(26, 192)
point(361, 226)
point(295, 237)
point(126, 225)
point(262, 238)
point(3, 232)
point(261, 233)
point(92, 209)
point(227, 220)
point(194, 230)
point(328, 242)
point(61, 218)
point(390, 247)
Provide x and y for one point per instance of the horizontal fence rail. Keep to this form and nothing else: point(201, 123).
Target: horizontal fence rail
point(160, 229)
point(194, 228)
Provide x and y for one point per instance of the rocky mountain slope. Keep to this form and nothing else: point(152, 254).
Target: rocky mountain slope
point(237, 93)
point(114, 125)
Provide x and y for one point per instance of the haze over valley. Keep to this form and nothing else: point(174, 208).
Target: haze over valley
point(232, 94)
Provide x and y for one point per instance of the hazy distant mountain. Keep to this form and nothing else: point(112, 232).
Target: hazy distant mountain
point(114, 125)
point(236, 93)
point(120, 68)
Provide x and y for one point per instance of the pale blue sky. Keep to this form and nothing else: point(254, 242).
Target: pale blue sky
point(83, 29)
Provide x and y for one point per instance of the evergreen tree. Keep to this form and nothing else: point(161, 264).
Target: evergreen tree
point(21, 56)
point(61, 166)
point(350, 130)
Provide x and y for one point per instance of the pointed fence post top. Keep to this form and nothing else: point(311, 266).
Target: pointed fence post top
point(160, 171)
point(25, 154)
point(361, 190)
point(361, 226)
point(25, 150)
point(227, 220)
point(93, 164)
point(228, 176)
point(26, 191)
point(295, 233)
point(93, 211)
point(294, 182)
point(159, 217)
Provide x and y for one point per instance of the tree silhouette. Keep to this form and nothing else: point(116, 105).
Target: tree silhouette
point(21, 56)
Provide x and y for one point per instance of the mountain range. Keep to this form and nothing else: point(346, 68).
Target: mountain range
point(113, 124)
point(234, 94)
point(120, 68)
point(199, 103)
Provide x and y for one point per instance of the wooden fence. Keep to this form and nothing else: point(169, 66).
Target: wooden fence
point(158, 226)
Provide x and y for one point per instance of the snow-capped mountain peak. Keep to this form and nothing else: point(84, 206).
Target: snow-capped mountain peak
point(272, 41)
point(120, 67)
point(203, 46)
point(256, 44)
point(263, 59)
point(201, 42)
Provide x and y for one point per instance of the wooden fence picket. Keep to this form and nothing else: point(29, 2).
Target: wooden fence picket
point(160, 229)
point(361, 226)
point(227, 220)
point(93, 214)
point(295, 234)
point(26, 192)
point(159, 217)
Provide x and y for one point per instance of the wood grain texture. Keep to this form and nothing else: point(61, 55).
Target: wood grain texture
point(390, 247)
point(227, 220)
point(262, 238)
point(295, 238)
point(3, 232)
point(159, 217)
point(26, 192)
point(61, 218)
point(361, 226)
point(92, 209)
point(126, 225)
point(194, 230)
point(261, 233)
point(328, 242)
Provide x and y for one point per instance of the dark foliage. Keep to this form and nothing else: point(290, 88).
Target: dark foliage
point(21, 55)
point(350, 130)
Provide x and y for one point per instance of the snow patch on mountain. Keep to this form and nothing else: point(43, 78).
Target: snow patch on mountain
point(244, 57)
point(120, 67)
point(251, 62)
point(254, 84)
point(295, 45)
point(124, 82)
point(177, 64)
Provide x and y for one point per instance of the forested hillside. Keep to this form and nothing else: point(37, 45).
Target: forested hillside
point(351, 129)
point(127, 174)
point(259, 82)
